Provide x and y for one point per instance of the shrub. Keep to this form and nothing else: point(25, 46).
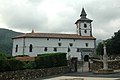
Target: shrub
point(29, 65)
point(10, 65)
point(51, 60)
point(14, 64)
point(2, 56)
point(2, 65)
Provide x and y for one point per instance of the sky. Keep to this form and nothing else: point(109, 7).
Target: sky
point(59, 16)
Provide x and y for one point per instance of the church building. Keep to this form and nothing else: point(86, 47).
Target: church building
point(82, 44)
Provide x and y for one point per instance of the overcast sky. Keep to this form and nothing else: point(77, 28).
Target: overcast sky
point(59, 16)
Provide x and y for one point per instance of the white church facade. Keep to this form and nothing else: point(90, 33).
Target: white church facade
point(75, 45)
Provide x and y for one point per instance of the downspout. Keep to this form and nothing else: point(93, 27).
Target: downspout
point(90, 29)
point(24, 46)
point(95, 46)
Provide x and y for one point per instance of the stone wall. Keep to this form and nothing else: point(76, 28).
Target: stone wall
point(32, 73)
point(112, 64)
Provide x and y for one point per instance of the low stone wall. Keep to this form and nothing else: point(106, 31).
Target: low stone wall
point(32, 73)
point(112, 64)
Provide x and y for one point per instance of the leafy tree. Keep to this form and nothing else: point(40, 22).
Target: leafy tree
point(99, 49)
point(113, 45)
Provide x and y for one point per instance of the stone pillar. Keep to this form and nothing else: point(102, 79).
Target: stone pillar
point(105, 64)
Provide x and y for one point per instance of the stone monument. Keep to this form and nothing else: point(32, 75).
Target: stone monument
point(105, 57)
point(105, 68)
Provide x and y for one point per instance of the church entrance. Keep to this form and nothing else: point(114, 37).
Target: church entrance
point(86, 58)
point(83, 66)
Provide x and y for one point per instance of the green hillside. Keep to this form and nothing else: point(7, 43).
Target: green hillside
point(6, 40)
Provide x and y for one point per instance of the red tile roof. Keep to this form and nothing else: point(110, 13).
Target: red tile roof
point(25, 58)
point(53, 35)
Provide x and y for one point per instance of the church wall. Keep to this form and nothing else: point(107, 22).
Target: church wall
point(85, 34)
point(39, 45)
point(82, 25)
point(18, 42)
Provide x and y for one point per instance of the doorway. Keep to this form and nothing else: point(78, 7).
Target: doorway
point(86, 58)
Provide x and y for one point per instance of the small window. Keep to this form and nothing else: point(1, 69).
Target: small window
point(68, 49)
point(78, 50)
point(59, 39)
point(86, 44)
point(55, 49)
point(16, 48)
point(30, 48)
point(85, 31)
point(85, 25)
point(47, 38)
point(71, 44)
point(74, 40)
point(59, 44)
point(45, 49)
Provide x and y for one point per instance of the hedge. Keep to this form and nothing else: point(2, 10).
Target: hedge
point(41, 61)
point(10, 65)
point(51, 60)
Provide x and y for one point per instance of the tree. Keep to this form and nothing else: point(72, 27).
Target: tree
point(99, 49)
point(112, 44)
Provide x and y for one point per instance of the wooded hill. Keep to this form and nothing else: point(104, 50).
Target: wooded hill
point(6, 40)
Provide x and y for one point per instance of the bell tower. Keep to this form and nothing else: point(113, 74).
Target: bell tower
point(84, 27)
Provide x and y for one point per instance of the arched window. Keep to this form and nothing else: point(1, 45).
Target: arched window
point(86, 44)
point(30, 48)
point(45, 49)
point(85, 31)
point(85, 25)
point(16, 48)
point(55, 49)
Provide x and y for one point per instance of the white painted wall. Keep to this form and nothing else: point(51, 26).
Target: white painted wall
point(40, 43)
point(18, 42)
point(83, 29)
point(80, 28)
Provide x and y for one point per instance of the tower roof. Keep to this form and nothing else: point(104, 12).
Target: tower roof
point(83, 13)
point(83, 17)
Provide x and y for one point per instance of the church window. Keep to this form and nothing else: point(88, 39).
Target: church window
point(78, 50)
point(85, 25)
point(45, 49)
point(47, 38)
point(71, 44)
point(74, 40)
point(86, 44)
point(85, 31)
point(55, 49)
point(16, 48)
point(30, 48)
point(59, 39)
point(68, 49)
point(59, 44)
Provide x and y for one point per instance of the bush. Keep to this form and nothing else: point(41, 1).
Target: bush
point(10, 65)
point(29, 65)
point(2, 56)
point(41, 61)
point(51, 60)
point(3, 65)
point(15, 64)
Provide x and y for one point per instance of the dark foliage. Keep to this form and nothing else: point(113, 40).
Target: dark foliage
point(51, 60)
point(113, 45)
point(10, 65)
